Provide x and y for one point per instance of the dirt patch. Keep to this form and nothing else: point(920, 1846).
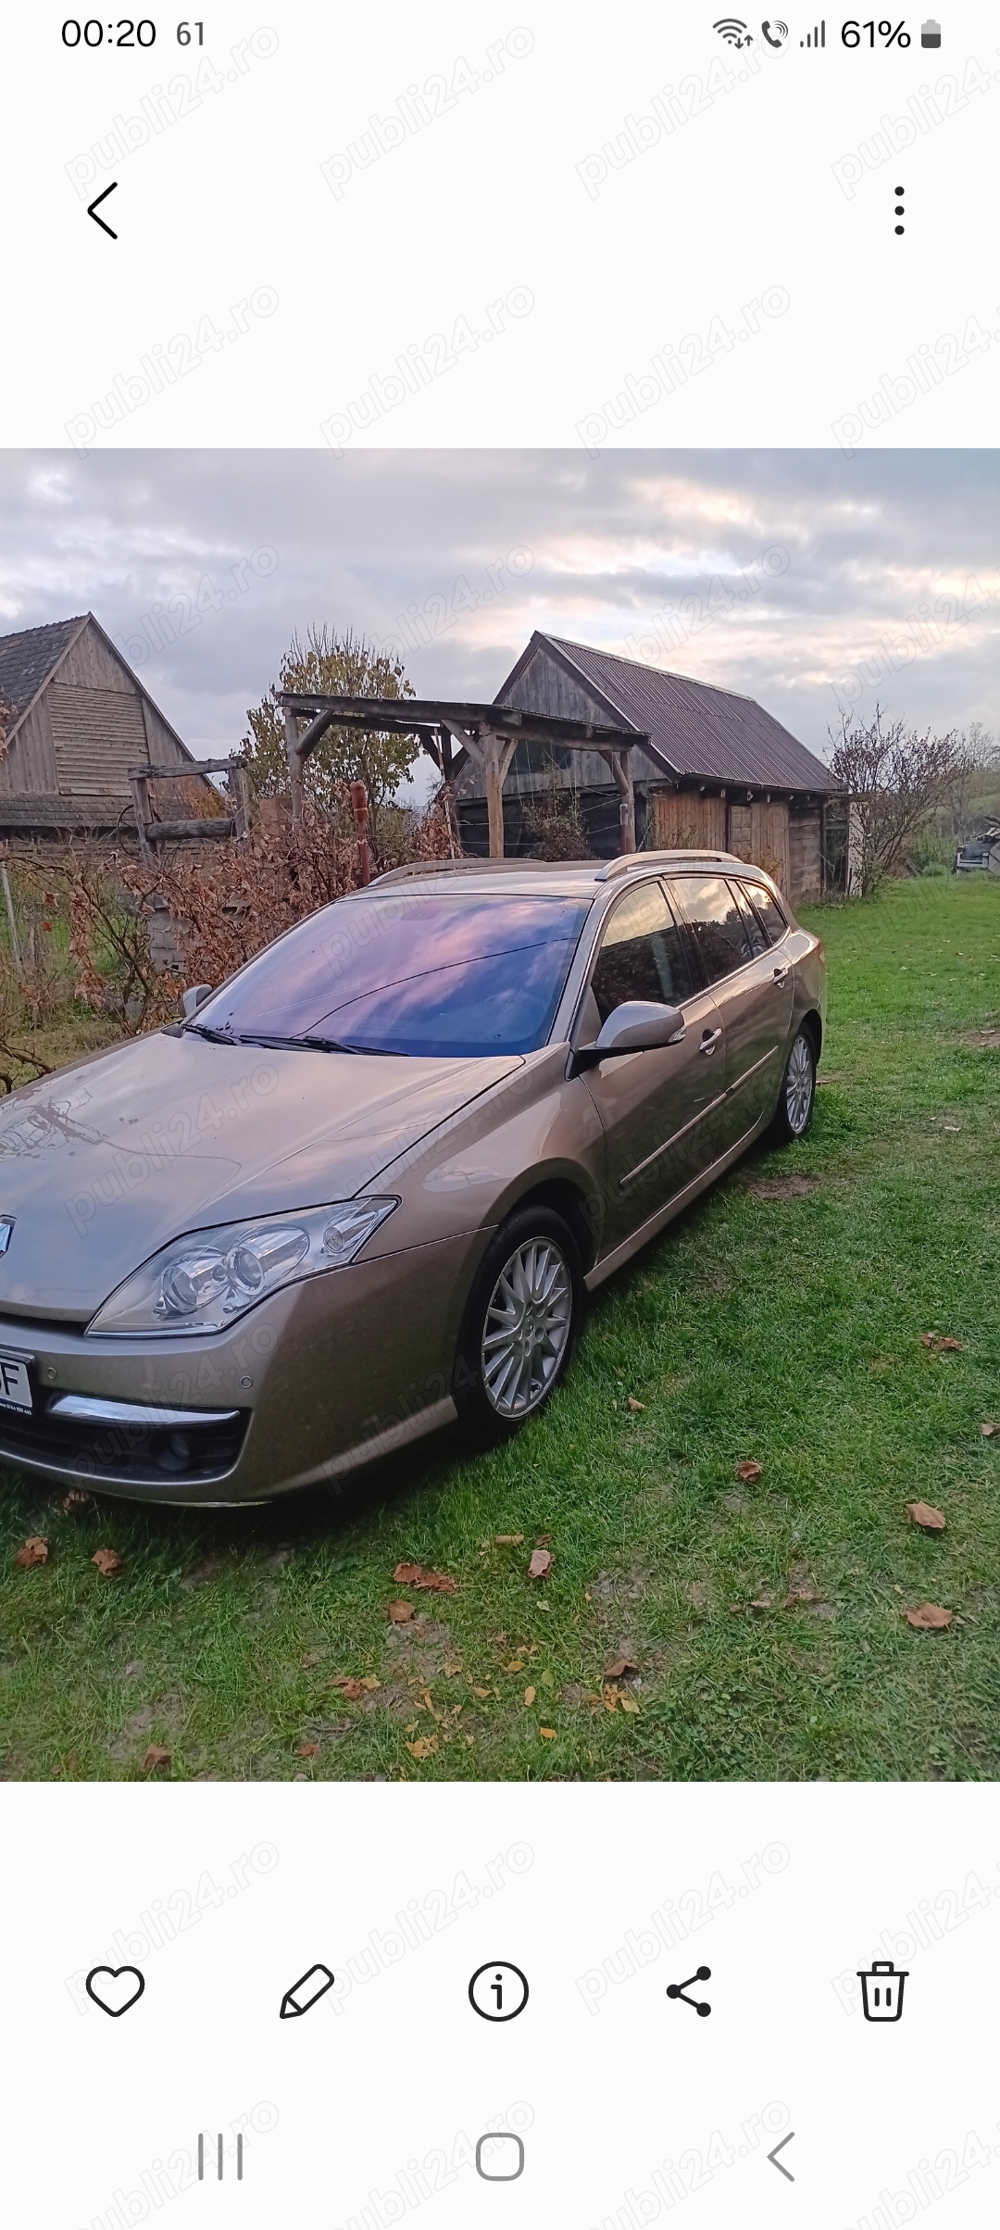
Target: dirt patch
point(782, 1188)
point(986, 1041)
point(423, 1646)
point(619, 1587)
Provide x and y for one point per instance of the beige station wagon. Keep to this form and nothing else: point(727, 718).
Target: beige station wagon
point(365, 1187)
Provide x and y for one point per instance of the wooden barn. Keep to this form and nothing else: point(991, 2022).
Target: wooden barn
point(710, 768)
point(77, 718)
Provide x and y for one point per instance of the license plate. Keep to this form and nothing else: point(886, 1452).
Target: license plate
point(15, 1385)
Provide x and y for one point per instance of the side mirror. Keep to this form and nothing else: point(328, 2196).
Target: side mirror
point(195, 997)
point(638, 1026)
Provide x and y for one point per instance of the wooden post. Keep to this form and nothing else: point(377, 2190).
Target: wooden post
point(294, 764)
point(240, 795)
point(9, 903)
point(139, 786)
point(359, 805)
point(620, 763)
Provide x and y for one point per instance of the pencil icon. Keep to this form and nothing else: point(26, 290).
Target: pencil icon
point(305, 1992)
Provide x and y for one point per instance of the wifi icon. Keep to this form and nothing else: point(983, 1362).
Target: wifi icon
point(733, 31)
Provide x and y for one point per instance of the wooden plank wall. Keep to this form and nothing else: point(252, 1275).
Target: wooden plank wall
point(683, 820)
point(805, 852)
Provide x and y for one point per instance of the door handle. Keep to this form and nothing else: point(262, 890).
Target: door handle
point(781, 975)
point(709, 1040)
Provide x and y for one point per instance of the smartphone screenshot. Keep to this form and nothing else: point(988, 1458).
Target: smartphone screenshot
point(499, 1024)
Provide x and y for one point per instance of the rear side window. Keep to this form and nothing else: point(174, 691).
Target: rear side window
point(770, 912)
point(715, 923)
point(641, 955)
point(752, 926)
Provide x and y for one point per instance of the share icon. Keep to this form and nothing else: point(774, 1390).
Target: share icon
point(677, 1989)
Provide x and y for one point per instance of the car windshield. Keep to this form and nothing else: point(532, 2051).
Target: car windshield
point(400, 973)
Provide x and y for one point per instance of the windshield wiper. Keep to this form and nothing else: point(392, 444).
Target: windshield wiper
point(215, 1037)
point(316, 1045)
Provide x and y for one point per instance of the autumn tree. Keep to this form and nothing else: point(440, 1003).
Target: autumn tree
point(895, 780)
point(332, 665)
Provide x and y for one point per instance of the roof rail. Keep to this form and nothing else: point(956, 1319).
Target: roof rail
point(627, 861)
point(417, 867)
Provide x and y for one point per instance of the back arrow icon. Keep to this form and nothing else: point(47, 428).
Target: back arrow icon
point(94, 207)
point(782, 2171)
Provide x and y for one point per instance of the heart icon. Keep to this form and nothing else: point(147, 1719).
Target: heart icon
point(114, 1989)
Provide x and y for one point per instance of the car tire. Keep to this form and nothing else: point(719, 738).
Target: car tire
point(797, 1096)
point(506, 1368)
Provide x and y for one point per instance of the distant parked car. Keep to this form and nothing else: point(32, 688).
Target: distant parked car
point(366, 1186)
point(980, 854)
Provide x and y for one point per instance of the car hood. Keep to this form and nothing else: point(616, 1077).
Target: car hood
point(105, 1162)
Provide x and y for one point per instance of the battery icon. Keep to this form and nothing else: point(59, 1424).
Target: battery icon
point(930, 33)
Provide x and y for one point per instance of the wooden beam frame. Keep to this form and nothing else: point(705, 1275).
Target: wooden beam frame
point(488, 734)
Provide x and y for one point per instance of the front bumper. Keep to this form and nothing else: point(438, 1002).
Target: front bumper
point(323, 1377)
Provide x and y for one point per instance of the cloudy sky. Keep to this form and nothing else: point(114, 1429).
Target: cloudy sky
point(804, 579)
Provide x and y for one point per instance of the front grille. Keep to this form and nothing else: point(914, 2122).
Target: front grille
point(142, 1453)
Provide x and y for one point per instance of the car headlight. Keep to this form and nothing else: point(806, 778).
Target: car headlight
point(204, 1281)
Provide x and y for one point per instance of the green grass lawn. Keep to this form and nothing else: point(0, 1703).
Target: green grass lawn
point(780, 1322)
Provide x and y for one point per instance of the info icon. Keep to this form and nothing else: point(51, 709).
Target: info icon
point(498, 1991)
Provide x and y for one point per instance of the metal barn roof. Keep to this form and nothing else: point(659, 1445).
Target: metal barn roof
point(695, 731)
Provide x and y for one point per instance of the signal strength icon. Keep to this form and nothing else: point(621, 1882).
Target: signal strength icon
point(815, 37)
point(733, 31)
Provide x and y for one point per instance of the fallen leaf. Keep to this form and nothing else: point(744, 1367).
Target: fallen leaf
point(548, 1734)
point(413, 1575)
point(611, 1698)
point(72, 1763)
point(507, 1540)
point(541, 1564)
point(548, 1680)
point(423, 1747)
point(75, 1501)
point(351, 1690)
point(633, 1404)
point(940, 1345)
point(155, 1758)
point(749, 1471)
point(989, 1430)
point(307, 1750)
point(620, 1669)
point(801, 1594)
point(482, 1693)
point(928, 1339)
point(763, 1603)
point(542, 1540)
point(108, 1562)
point(35, 1551)
point(929, 1615)
point(529, 1695)
point(630, 1703)
point(924, 1513)
point(399, 1613)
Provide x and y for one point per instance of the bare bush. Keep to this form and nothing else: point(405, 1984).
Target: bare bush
point(896, 780)
point(553, 817)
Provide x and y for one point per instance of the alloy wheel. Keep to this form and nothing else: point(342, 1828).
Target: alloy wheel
point(527, 1328)
point(799, 1085)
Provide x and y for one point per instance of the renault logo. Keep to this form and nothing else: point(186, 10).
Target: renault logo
point(6, 1229)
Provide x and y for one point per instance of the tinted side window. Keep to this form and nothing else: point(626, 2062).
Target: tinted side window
point(709, 907)
point(754, 930)
point(641, 954)
point(770, 912)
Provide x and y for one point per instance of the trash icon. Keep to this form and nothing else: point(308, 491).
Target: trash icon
point(882, 1990)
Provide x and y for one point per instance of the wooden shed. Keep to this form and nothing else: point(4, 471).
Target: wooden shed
point(78, 719)
point(712, 768)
